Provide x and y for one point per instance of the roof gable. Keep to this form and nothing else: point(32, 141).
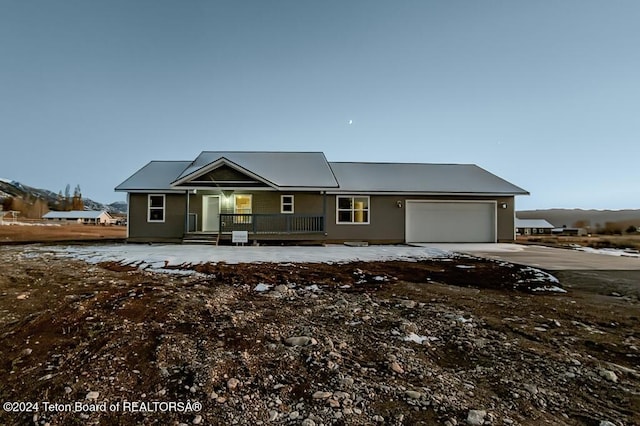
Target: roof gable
point(278, 169)
point(222, 173)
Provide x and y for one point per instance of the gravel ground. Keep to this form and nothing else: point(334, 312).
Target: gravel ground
point(441, 341)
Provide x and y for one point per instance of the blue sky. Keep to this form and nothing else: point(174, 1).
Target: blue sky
point(545, 94)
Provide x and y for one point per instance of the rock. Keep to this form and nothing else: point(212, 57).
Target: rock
point(92, 395)
point(197, 420)
point(606, 423)
point(308, 422)
point(26, 352)
point(333, 403)
point(282, 289)
point(347, 382)
point(322, 395)
point(273, 415)
point(609, 375)
point(299, 341)
point(476, 417)
point(408, 303)
point(294, 415)
point(532, 389)
point(396, 368)
point(233, 383)
point(413, 394)
point(378, 418)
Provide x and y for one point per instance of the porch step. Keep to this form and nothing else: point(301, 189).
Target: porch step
point(201, 239)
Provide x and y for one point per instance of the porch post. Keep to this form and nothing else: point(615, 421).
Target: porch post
point(324, 211)
point(186, 219)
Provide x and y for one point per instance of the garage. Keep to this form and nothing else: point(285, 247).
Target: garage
point(450, 221)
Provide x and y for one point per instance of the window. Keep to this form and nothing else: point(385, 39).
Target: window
point(286, 204)
point(242, 205)
point(156, 205)
point(353, 210)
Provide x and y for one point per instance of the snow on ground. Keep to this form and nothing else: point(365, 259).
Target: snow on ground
point(609, 251)
point(10, 221)
point(473, 247)
point(160, 256)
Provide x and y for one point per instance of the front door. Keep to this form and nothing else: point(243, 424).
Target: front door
point(210, 213)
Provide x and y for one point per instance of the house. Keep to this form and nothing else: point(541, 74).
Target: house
point(533, 227)
point(94, 217)
point(300, 196)
point(569, 232)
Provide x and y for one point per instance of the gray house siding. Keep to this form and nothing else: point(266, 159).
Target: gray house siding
point(387, 220)
point(141, 230)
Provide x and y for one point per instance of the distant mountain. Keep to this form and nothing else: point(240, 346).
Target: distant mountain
point(584, 218)
point(13, 189)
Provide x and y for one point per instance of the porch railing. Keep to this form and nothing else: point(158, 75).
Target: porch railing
point(272, 223)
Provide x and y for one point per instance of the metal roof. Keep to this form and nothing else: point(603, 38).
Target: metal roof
point(282, 169)
point(420, 178)
point(155, 176)
point(76, 214)
point(533, 223)
point(306, 170)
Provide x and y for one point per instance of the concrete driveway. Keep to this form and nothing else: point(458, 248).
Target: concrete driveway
point(544, 257)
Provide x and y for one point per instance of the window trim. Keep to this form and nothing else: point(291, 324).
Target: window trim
point(163, 208)
point(282, 204)
point(353, 209)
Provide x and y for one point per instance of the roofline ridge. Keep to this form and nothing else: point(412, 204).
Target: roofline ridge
point(403, 163)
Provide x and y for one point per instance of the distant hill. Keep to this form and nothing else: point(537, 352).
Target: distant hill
point(31, 195)
point(595, 219)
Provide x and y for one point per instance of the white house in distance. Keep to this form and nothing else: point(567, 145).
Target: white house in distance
point(94, 217)
point(533, 226)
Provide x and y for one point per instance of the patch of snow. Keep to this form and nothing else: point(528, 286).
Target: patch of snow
point(262, 287)
point(539, 276)
point(413, 337)
point(313, 287)
point(465, 266)
point(5, 180)
point(610, 251)
point(9, 221)
point(552, 289)
point(152, 256)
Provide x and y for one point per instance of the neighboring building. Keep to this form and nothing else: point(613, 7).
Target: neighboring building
point(571, 232)
point(533, 227)
point(95, 217)
point(300, 196)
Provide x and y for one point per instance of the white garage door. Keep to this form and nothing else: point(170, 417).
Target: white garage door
point(450, 222)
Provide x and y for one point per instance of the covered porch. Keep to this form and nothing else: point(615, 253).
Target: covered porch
point(263, 214)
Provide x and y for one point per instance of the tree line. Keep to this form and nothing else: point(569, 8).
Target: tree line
point(34, 206)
